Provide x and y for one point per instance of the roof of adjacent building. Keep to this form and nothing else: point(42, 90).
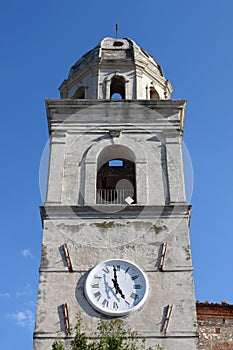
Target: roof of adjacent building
point(214, 310)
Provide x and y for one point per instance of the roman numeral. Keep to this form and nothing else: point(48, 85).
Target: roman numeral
point(105, 303)
point(134, 296)
point(134, 277)
point(115, 305)
point(106, 270)
point(95, 285)
point(98, 277)
point(127, 270)
point(116, 268)
point(128, 304)
point(137, 286)
point(97, 295)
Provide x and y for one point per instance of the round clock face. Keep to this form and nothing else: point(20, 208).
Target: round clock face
point(116, 287)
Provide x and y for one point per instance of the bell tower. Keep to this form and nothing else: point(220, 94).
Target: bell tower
point(115, 220)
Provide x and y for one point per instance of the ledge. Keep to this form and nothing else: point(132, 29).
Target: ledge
point(141, 112)
point(56, 102)
point(50, 211)
point(156, 335)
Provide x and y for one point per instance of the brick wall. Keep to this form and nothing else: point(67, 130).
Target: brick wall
point(215, 322)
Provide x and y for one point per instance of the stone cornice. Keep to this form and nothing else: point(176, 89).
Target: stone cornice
point(50, 211)
point(171, 112)
point(88, 103)
point(140, 335)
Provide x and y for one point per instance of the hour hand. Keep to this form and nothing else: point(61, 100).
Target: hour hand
point(117, 288)
point(115, 284)
point(120, 292)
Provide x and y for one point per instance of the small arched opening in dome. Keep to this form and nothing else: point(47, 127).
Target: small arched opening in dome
point(153, 94)
point(118, 43)
point(80, 93)
point(116, 96)
point(117, 87)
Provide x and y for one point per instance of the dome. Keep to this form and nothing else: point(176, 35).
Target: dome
point(116, 66)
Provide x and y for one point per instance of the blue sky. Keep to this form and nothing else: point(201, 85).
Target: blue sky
point(40, 40)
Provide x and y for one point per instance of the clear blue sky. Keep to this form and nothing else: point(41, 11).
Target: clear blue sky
point(40, 40)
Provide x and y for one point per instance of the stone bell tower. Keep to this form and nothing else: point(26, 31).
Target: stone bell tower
point(116, 203)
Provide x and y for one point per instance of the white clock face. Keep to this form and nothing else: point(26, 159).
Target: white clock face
point(116, 287)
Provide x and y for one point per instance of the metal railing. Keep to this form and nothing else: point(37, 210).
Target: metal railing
point(114, 196)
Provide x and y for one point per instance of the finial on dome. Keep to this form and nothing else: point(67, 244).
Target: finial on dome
point(116, 30)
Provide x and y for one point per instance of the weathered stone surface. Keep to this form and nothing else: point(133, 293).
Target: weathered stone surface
point(118, 57)
point(136, 239)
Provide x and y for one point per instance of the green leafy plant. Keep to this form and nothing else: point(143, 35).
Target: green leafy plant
point(109, 336)
point(58, 345)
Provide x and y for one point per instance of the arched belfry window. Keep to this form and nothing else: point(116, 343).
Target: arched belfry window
point(153, 94)
point(80, 93)
point(117, 86)
point(116, 183)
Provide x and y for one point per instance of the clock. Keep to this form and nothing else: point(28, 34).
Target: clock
point(116, 287)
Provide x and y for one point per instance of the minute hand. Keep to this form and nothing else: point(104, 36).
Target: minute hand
point(116, 284)
point(115, 274)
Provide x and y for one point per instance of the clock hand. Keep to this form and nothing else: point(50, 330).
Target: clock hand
point(114, 280)
point(116, 284)
point(117, 288)
point(120, 292)
point(115, 274)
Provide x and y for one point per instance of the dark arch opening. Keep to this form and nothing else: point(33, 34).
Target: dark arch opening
point(154, 94)
point(117, 86)
point(118, 43)
point(116, 182)
point(80, 93)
